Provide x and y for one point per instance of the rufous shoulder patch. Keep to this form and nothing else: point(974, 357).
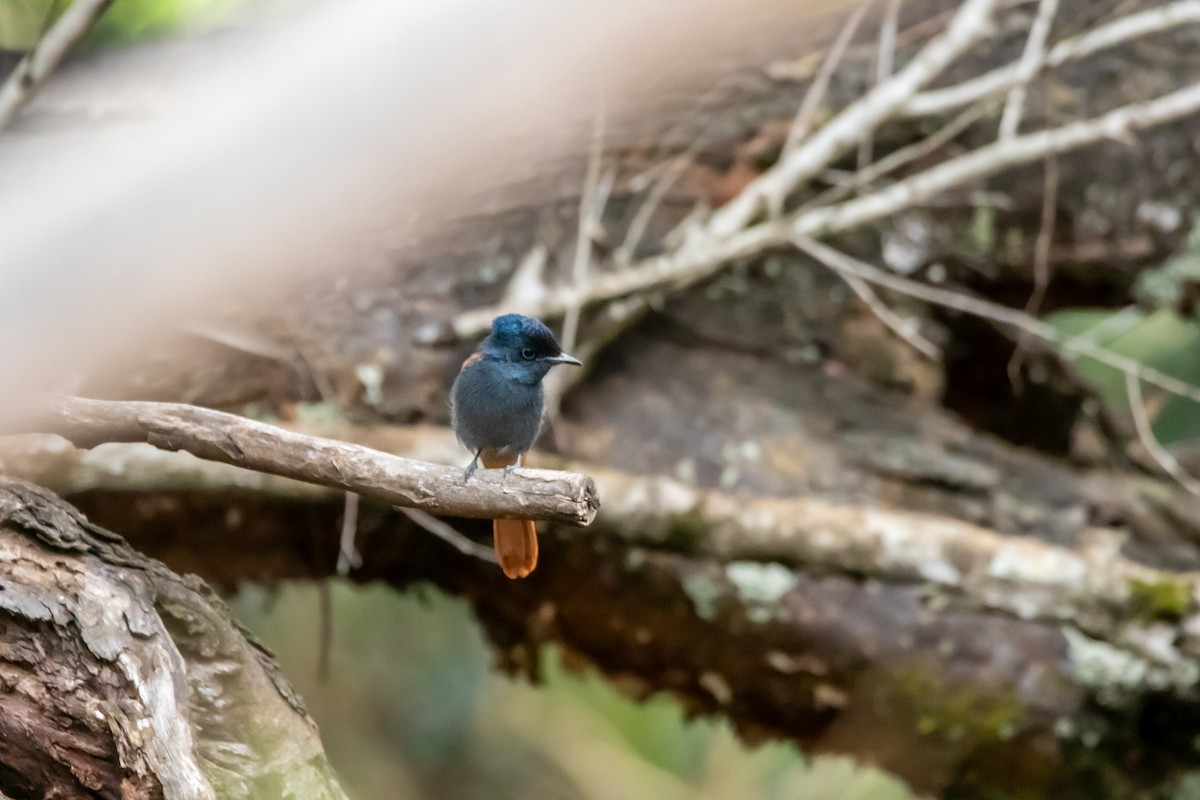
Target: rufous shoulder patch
point(471, 359)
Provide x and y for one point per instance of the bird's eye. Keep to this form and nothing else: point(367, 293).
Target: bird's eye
point(527, 354)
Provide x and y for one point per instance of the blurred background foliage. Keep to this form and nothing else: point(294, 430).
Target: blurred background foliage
point(411, 708)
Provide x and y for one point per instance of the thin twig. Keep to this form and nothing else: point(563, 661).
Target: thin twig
point(1031, 61)
point(1112, 326)
point(705, 253)
point(1134, 26)
point(807, 110)
point(885, 62)
point(675, 167)
point(1019, 320)
point(971, 23)
point(32, 72)
point(1041, 260)
point(1145, 432)
point(1117, 124)
point(590, 210)
point(903, 328)
point(905, 155)
point(527, 285)
point(325, 633)
point(1045, 238)
point(348, 555)
point(448, 535)
point(243, 342)
point(668, 173)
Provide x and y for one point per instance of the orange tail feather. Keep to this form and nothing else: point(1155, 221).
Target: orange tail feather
point(516, 546)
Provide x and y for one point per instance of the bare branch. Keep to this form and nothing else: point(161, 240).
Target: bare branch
point(667, 174)
point(704, 253)
point(1031, 61)
point(41, 62)
point(842, 263)
point(905, 155)
point(1041, 258)
point(214, 435)
point(1045, 237)
point(885, 62)
point(590, 209)
point(995, 157)
point(969, 25)
point(807, 111)
point(1145, 432)
point(447, 534)
point(903, 328)
point(1002, 79)
point(348, 555)
point(527, 285)
point(672, 170)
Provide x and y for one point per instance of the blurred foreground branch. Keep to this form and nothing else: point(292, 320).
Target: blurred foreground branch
point(40, 63)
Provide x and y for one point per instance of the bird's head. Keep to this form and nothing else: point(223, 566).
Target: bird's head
point(526, 341)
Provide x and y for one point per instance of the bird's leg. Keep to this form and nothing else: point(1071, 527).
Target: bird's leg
point(474, 465)
point(510, 467)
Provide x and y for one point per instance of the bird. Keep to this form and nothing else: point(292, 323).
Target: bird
point(496, 406)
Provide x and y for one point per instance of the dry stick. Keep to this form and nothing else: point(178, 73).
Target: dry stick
point(242, 342)
point(668, 173)
point(922, 28)
point(899, 158)
point(325, 633)
point(884, 64)
point(589, 214)
point(449, 535)
point(985, 161)
point(1041, 260)
point(1031, 61)
point(217, 436)
point(706, 254)
point(592, 200)
point(969, 25)
point(641, 220)
point(840, 262)
point(40, 63)
point(348, 555)
point(1045, 238)
point(1134, 26)
point(1145, 433)
point(807, 110)
point(905, 329)
point(527, 285)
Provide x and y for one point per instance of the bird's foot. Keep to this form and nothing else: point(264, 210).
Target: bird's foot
point(474, 465)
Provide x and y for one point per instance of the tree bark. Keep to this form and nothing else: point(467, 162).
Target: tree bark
point(120, 679)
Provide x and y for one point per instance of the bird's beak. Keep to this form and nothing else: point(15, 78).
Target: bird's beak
point(563, 358)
